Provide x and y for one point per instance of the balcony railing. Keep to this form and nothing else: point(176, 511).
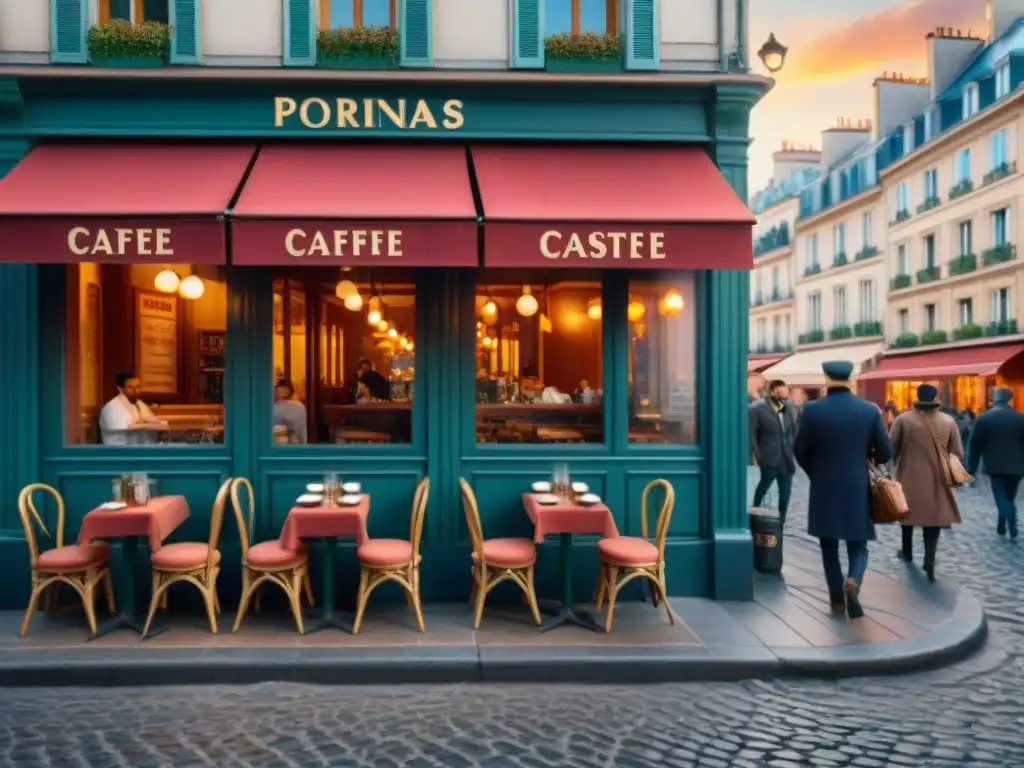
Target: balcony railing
point(1001, 171)
point(840, 260)
point(928, 275)
point(901, 215)
point(867, 252)
point(962, 264)
point(1002, 328)
point(760, 299)
point(775, 238)
point(840, 332)
point(811, 337)
point(900, 281)
point(961, 188)
point(998, 254)
point(813, 269)
point(928, 204)
point(867, 328)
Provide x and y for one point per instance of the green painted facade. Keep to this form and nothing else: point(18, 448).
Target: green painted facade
point(709, 550)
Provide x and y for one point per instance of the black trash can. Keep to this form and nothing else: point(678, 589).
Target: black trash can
point(766, 530)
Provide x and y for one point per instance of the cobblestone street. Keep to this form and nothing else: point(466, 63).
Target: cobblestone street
point(971, 714)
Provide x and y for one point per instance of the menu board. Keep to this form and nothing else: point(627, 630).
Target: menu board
point(157, 356)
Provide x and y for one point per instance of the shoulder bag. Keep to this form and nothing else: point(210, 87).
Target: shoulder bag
point(888, 502)
point(952, 467)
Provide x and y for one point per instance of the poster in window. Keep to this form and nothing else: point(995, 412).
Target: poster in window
point(157, 356)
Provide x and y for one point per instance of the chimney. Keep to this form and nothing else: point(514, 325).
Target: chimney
point(949, 51)
point(792, 158)
point(842, 139)
point(897, 99)
point(1000, 16)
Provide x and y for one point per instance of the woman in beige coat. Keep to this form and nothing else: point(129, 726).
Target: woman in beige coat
point(916, 437)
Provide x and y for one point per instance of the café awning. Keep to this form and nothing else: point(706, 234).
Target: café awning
point(120, 203)
point(635, 207)
point(372, 206)
point(758, 363)
point(944, 364)
point(803, 369)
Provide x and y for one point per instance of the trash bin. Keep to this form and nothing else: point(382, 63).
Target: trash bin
point(766, 530)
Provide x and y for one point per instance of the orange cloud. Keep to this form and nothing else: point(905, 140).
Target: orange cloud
point(893, 38)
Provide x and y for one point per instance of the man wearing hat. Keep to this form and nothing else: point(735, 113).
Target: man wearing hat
point(997, 443)
point(838, 435)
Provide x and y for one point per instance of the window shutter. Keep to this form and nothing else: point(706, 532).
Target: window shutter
point(416, 33)
point(67, 31)
point(528, 34)
point(185, 42)
point(299, 34)
point(642, 36)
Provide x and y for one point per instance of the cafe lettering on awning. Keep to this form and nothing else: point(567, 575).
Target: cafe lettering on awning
point(121, 241)
point(317, 113)
point(599, 245)
point(342, 243)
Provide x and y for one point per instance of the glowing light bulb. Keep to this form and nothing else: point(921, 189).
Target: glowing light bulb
point(192, 287)
point(167, 281)
point(594, 309)
point(672, 303)
point(382, 326)
point(635, 311)
point(354, 302)
point(490, 312)
point(527, 305)
point(392, 332)
point(345, 289)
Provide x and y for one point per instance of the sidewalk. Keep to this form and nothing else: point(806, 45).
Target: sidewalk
point(787, 631)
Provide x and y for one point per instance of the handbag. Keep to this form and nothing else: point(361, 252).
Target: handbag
point(888, 502)
point(953, 468)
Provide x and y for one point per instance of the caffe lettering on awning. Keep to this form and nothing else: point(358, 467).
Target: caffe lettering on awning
point(127, 241)
point(341, 243)
point(648, 246)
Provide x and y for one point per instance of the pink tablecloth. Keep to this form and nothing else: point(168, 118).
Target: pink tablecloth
point(565, 517)
point(319, 522)
point(155, 520)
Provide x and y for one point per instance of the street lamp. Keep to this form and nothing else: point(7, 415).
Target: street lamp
point(773, 54)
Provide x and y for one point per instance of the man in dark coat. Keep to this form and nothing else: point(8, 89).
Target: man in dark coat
point(838, 435)
point(997, 443)
point(772, 432)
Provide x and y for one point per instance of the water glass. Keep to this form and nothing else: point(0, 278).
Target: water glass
point(117, 489)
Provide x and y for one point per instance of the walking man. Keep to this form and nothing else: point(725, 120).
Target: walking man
point(772, 432)
point(839, 434)
point(997, 443)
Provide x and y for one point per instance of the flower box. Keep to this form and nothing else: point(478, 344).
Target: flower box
point(583, 53)
point(357, 48)
point(357, 62)
point(963, 264)
point(583, 66)
point(934, 337)
point(128, 62)
point(120, 43)
point(900, 281)
point(904, 341)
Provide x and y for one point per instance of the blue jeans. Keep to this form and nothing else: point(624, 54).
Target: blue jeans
point(771, 475)
point(1004, 490)
point(856, 551)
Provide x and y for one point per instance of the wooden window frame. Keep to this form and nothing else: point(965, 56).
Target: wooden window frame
point(137, 11)
point(357, 14)
point(611, 17)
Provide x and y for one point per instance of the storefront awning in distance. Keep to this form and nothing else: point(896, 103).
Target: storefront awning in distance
point(634, 207)
point(803, 368)
point(120, 203)
point(372, 206)
point(756, 364)
point(943, 364)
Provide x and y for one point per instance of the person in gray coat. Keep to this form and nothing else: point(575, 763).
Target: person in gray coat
point(839, 435)
point(772, 432)
point(997, 443)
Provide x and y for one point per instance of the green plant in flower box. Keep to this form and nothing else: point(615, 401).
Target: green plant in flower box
point(122, 43)
point(583, 52)
point(358, 48)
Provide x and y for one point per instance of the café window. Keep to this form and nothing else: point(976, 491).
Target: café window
point(135, 11)
point(348, 14)
point(146, 354)
point(539, 376)
point(578, 17)
point(662, 360)
point(344, 357)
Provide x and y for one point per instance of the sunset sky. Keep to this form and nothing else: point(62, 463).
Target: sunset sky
point(836, 48)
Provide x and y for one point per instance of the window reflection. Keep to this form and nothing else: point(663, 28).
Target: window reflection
point(662, 361)
point(538, 363)
point(350, 381)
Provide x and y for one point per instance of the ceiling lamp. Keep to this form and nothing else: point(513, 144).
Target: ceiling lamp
point(411, 346)
point(354, 302)
point(486, 342)
point(490, 312)
point(192, 287)
point(392, 332)
point(635, 311)
point(594, 309)
point(167, 281)
point(382, 326)
point(773, 54)
point(345, 289)
point(526, 305)
point(374, 316)
point(671, 303)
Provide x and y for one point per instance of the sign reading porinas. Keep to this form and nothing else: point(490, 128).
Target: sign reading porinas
point(315, 113)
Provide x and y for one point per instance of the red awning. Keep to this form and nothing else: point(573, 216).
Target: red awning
point(946, 363)
point(635, 207)
point(760, 363)
point(120, 203)
point(409, 206)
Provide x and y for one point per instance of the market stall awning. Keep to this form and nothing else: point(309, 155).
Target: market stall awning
point(758, 363)
point(803, 369)
point(120, 203)
point(373, 206)
point(626, 206)
point(946, 363)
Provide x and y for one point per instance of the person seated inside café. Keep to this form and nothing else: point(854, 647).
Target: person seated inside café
point(289, 415)
point(376, 385)
point(123, 420)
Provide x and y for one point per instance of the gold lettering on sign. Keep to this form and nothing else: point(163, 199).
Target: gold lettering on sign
point(344, 242)
point(405, 114)
point(119, 242)
point(599, 245)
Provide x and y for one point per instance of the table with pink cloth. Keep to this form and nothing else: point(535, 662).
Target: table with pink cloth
point(154, 522)
point(329, 523)
point(566, 518)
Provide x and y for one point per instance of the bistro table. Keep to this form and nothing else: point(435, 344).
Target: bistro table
point(329, 523)
point(566, 518)
point(154, 521)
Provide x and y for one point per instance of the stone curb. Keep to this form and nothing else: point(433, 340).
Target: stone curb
point(958, 637)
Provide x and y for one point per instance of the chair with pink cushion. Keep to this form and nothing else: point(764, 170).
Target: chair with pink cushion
point(497, 560)
point(81, 567)
point(194, 562)
point(396, 560)
point(268, 561)
point(625, 558)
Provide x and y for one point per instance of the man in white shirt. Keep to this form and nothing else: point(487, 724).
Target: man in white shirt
point(126, 420)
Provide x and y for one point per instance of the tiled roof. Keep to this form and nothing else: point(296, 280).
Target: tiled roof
point(784, 189)
point(985, 61)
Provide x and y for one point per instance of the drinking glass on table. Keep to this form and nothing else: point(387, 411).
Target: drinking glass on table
point(331, 484)
point(117, 489)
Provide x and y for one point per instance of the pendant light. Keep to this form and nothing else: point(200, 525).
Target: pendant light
point(354, 302)
point(635, 311)
point(392, 332)
point(526, 305)
point(382, 326)
point(374, 316)
point(671, 303)
point(594, 309)
point(345, 289)
point(167, 281)
point(192, 287)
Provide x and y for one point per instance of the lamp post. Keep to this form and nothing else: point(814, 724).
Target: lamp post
point(773, 54)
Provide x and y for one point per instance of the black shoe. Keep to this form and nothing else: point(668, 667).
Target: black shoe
point(1001, 526)
point(838, 603)
point(907, 557)
point(929, 568)
point(853, 607)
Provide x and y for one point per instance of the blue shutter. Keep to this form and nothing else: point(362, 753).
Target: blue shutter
point(528, 34)
point(642, 35)
point(185, 40)
point(415, 28)
point(67, 31)
point(299, 33)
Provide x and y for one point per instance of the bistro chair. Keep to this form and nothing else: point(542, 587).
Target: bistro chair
point(194, 562)
point(625, 558)
point(396, 560)
point(497, 560)
point(81, 567)
point(268, 561)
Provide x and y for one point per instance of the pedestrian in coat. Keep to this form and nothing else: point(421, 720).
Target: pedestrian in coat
point(917, 436)
point(838, 436)
point(997, 444)
point(772, 432)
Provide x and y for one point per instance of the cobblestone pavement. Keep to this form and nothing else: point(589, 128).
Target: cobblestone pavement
point(968, 715)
